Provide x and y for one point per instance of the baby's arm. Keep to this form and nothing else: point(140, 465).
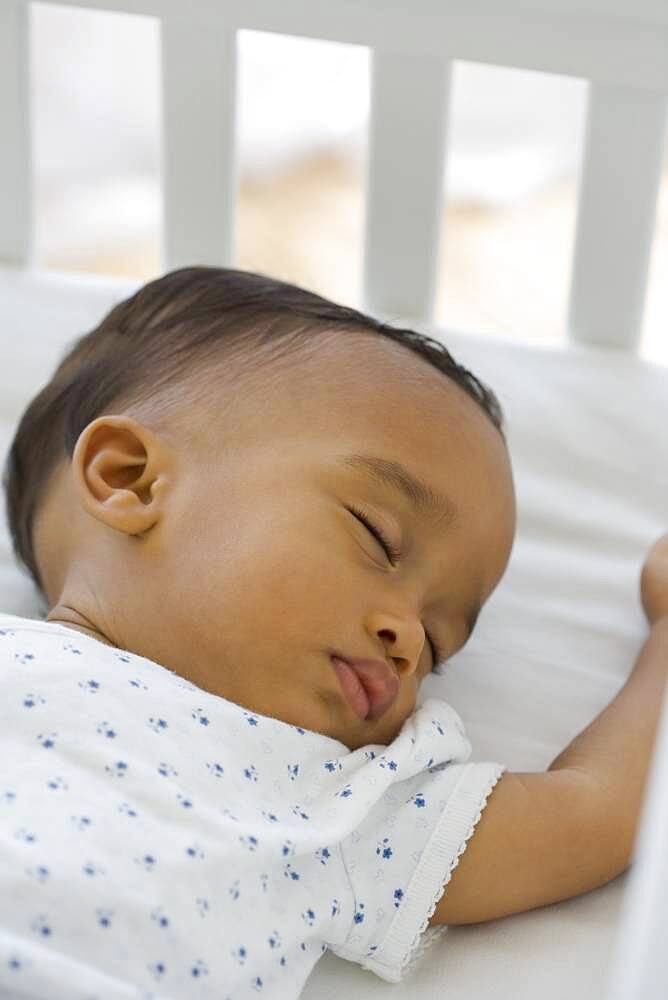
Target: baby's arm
point(547, 836)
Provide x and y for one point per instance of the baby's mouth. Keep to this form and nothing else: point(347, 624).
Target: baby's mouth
point(370, 686)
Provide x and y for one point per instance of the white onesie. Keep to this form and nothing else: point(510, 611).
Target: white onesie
point(158, 842)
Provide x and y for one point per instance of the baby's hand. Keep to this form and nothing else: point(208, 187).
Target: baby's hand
point(654, 581)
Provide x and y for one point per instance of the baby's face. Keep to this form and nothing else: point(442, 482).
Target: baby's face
point(252, 570)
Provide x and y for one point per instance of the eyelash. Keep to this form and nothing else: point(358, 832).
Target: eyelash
point(394, 555)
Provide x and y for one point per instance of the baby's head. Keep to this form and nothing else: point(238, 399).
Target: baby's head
point(192, 486)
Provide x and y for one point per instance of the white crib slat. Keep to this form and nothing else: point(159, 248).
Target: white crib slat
point(199, 162)
point(16, 227)
point(405, 169)
point(640, 964)
point(617, 205)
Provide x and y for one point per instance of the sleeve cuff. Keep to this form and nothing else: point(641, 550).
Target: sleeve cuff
point(406, 940)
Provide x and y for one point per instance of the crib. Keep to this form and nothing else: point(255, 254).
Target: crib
point(586, 417)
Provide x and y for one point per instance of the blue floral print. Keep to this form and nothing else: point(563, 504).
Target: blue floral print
point(159, 842)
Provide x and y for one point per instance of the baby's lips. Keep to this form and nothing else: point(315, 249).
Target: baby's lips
point(379, 681)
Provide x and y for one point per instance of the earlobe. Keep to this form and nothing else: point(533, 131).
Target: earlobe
point(117, 464)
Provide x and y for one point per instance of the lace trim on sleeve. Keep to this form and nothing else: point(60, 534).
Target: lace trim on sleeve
point(427, 936)
point(393, 960)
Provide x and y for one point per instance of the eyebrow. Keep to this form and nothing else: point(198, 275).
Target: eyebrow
point(424, 499)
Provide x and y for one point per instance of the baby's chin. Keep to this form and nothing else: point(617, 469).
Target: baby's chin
point(381, 733)
point(354, 735)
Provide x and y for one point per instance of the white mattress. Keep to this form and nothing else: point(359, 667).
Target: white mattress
point(586, 428)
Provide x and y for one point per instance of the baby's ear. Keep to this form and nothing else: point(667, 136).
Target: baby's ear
point(119, 468)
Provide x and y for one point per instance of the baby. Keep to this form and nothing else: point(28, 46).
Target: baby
point(259, 520)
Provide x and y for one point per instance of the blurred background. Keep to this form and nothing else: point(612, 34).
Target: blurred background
point(515, 146)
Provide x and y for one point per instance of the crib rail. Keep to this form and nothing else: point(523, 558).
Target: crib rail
point(620, 47)
point(640, 966)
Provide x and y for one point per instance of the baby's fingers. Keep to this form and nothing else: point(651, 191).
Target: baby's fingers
point(654, 580)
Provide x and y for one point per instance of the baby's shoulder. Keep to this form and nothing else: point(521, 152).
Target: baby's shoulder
point(26, 640)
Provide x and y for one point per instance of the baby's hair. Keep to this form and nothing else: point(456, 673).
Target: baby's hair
point(148, 348)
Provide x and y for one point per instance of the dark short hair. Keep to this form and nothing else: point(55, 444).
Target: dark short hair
point(155, 339)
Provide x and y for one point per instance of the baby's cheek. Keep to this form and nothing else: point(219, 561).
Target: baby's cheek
point(407, 700)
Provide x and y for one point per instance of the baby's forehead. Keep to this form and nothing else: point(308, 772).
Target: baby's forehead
point(339, 386)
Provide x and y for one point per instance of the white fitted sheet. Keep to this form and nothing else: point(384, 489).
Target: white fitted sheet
point(586, 429)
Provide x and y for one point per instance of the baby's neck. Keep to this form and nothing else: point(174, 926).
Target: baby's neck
point(72, 619)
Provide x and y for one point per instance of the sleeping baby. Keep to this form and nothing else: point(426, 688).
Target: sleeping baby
point(259, 520)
